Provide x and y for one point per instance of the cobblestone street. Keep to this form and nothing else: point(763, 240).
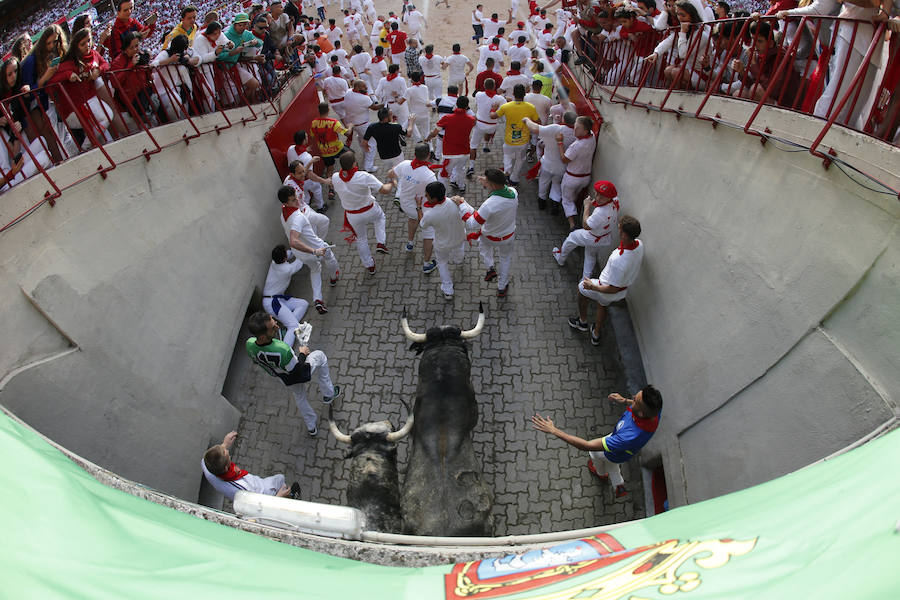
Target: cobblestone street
point(526, 360)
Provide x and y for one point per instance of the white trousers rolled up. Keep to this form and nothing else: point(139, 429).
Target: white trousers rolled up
point(570, 187)
point(604, 465)
point(318, 363)
point(594, 251)
point(361, 223)
point(514, 160)
point(445, 257)
point(359, 134)
point(289, 312)
point(315, 269)
point(434, 85)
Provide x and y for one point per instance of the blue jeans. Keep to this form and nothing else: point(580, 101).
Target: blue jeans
point(479, 32)
point(321, 11)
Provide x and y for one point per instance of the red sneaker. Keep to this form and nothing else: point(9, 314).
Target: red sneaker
point(382, 248)
point(336, 278)
point(371, 270)
point(621, 492)
point(593, 470)
point(320, 307)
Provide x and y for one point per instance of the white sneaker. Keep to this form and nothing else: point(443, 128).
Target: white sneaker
point(557, 254)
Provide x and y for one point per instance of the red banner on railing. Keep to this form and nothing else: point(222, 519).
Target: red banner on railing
point(297, 116)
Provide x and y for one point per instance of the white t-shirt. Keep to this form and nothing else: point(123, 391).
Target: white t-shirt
point(298, 222)
point(335, 87)
point(356, 108)
point(484, 53)
point(417, 99)
point(248, 482)
point(521, 54)
point(603, 222)
point(279, 276)
point(415, 20)
point(492, 27)
point(391, 91)
point(333, 35)
point(411, 182)
point(510, 81)
point(581, 156)
point(359, 62)
point(449, 231)
point(477, 16)
point(516, 34)
point(457, 66)
point(541, 104)
point(431, 66)
point(622, 269)
point(356, 193)
point(496, 216)
point(551, 158)
point(558, 110)
point(485, 105)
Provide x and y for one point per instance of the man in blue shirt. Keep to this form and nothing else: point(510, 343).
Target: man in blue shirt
point(634, 429)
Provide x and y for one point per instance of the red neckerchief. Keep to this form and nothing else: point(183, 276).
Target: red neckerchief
point(631, 246)
point(493, 47)
point(583, 137)
point(451, 95)
point(297, 181)
point(393, 76)
point(332, 27)
point(416, 163)
point(377, 59)
point(493, 20)
point(429, 56)
point(490, 93)
point(417, 83)
point(656, 12)
point(319, 54)
point(460, 52)
point(233, 473)
point(428, 204)
point(300, 149)
point(520, 44)
point(615, 203)
point(346, 176)
point(512, 72)
point(648, 425)
point(286, 212)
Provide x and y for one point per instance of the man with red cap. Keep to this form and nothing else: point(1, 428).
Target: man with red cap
point(620, 271)
point(596, 234)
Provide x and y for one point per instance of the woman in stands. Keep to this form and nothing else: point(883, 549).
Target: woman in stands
point(208, 45)
point(172, 79)
point(79, 77)
point(37, 69)
point(688, 48)
point(21, 47)
point(134, 93)
point(16, 164)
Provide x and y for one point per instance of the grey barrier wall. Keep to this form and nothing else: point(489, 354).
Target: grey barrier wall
point(768, 306)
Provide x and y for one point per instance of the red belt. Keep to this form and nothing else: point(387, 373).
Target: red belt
point(577, 174)
point(486, 122)
point(500, 239)
point(338, 100)
point(597, 238)
point(359, 210)
point(438, 75)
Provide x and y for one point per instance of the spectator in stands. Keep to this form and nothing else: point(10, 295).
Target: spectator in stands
point(84, 21)
point(21, 47)
point(722, 10)
point(125, 22)
point(759, 72)
point(687, 62)
point(171, 76)
point(280, 26)
point(239, 35)
point(207, 46)
point(187, 26)
point(267, 55)
point(37, 70)
point(134, 92)
point(16, 164)
point(79, 74)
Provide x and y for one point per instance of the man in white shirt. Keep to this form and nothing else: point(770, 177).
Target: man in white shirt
point(227, 479)
point(521, 54)
point(358, 107)
point(377, 69)
point(297, 179)
point(431, 69)
point(449, 233)
point(411, 177)
point(459, 67)
point(490, 50)
point(312, 196)
point(493, 25)
point(286, 309)
point(579, 159)
point(495, 221)
point(308, 247)
point(335, 87)
point(599, 220)
point(477, 18)
point(502, 43)
point(359, 62)
point(361, 212)
point(419, 105)
point(620, 272)
point(552, 167)
point(486, 102)
point(391, 91)
point(375, 34)
point(514, 77)
point(542, 105)
point(333, 32)
point(562, 106)
point(518, 32)
point(415, 21)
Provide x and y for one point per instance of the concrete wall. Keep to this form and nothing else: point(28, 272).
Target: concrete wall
point(149, 272)
point(768, 306)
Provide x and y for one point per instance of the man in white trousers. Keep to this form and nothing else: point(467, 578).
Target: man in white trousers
point(449, 232)
point(517, 136)
point(310, 249)
point(358, 107)
point(579, 159)
point(287, 309)
point(361, 212)
point(295, 370)
point(412, 176)
point(495, 222)
point(228, 479)
point(297, 178)
point(552, 167)
point(596, 235)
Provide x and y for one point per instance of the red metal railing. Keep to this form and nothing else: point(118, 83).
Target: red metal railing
point(845, 72)
point(128, 102)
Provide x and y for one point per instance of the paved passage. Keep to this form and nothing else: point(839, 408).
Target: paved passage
point(527, 360)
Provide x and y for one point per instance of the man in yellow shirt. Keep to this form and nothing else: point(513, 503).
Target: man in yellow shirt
point(515, 142)
point(325, 134)
point(187, 26)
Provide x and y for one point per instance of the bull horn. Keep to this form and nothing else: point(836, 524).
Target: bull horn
point(471, 333)
point(396, 436)
point(332, 426)
point(410, 335)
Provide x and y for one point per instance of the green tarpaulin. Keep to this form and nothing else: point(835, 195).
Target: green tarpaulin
point(828, 531)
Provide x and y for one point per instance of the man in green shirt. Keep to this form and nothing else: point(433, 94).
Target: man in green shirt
point(278, 360)
point(239, 34)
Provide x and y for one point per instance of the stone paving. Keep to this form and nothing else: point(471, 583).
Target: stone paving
point(526, 360)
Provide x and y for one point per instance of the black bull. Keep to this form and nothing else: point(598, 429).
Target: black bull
point(444, 492)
